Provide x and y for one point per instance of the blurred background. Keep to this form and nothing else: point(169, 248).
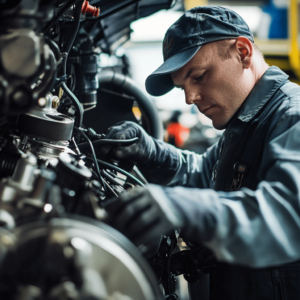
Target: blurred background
point(274, 24)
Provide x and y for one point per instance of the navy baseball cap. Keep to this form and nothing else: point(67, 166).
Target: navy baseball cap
point(196, 27)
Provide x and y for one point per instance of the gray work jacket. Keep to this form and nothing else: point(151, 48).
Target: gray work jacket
point(257, 226)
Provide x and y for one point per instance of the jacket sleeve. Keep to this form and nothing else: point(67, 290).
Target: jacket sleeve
point(259, 228)
point(195, 170)
point(175, 167)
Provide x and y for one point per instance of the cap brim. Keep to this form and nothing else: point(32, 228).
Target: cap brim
point(160, 81)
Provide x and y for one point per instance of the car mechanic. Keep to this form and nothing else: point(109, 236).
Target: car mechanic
point(241, 198)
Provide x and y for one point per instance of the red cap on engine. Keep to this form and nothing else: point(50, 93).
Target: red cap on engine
point(87, 8)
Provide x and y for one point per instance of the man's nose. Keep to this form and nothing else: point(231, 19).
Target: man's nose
point(191, 96)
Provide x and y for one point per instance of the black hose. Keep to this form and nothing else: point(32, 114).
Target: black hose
point(64, 55)
point(110, 178)
point(75, 27)
point(130, 88)
point(53, 46)
point(109, 142)
point(108, 188)
point(79, 109)
point(110, 166)
point(94, 156)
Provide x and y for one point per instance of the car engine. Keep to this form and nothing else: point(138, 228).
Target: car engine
point(55, 106)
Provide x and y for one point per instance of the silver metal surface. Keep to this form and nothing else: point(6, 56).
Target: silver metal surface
point(21, 183)
point(111, 264)
point(24, 173)
point(47, 150)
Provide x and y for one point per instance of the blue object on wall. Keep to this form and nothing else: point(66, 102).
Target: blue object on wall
point(279, 21)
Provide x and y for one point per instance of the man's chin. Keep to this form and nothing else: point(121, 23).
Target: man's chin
point(219, 125)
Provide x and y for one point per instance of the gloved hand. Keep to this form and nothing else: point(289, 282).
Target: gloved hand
point(142, 151)
point(142, 214)
point(157, 160)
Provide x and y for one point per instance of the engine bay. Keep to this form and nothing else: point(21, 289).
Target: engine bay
point(56, 105)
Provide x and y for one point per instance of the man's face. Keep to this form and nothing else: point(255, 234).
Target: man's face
point(217, 86)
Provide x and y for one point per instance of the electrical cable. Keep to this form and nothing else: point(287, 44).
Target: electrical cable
point(60, 13)
point(64, 55)
point(78, 120)
point(110, 178)
point(73, 85)
point(94, 157)
point(79, 109)
point(109, 189)
point(53, 46)
point(109, 141)
point(110, 166)
point(75, 27)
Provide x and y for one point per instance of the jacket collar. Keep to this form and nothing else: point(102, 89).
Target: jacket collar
point(269, 83)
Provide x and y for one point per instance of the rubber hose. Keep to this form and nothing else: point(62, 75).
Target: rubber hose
point(53, 46)
point(78, 120)
point(77, 13)
point(131, 88)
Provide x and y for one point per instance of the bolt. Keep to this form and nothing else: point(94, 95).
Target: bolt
point(55, 102)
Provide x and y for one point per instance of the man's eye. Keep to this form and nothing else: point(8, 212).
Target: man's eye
point(199, 77)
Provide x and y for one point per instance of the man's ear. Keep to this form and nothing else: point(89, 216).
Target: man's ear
point(244, 49)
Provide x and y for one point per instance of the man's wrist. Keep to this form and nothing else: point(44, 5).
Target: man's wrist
point(163, 166)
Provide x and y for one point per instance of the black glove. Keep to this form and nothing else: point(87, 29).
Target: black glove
point(157, 160)
point(142, 214)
